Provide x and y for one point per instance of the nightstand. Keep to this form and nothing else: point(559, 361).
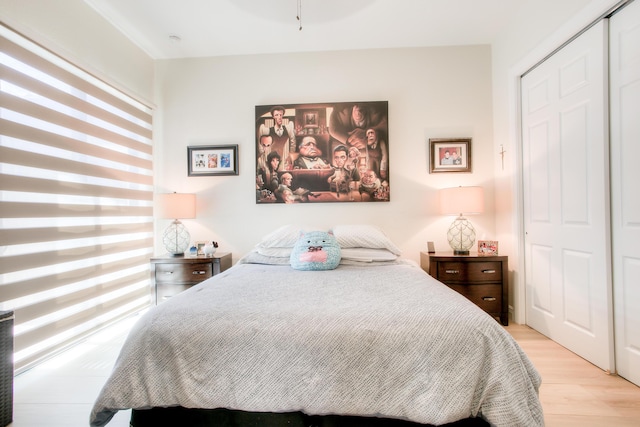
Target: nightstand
point(172, 275)
point(483, 279)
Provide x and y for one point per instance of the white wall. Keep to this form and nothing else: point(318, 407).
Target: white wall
point(432, 92)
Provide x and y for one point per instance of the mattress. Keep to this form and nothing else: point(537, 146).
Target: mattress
point(381, 340)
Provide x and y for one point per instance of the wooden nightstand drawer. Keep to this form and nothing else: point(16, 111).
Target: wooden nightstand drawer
point(481, 279)
point(183, 273)
point(172, 275)
point(487, 297)
point(470, 272)
point(166, 291)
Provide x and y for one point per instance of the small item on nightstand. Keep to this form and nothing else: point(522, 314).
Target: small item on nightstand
point(431, 248)
point(487, 247)
point(193, 250)
point(210, 248)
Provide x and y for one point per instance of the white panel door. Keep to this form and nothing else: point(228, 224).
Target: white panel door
point(625, 182)
point(566, 189)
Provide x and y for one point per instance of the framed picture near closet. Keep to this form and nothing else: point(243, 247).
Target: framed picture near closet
point(449, 155)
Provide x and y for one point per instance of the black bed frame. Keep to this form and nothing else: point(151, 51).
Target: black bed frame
point(183, 417)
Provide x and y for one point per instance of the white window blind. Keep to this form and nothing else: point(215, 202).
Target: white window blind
point(76, 200)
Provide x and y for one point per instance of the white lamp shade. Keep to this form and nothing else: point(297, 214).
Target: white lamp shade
point(177, 206)
point(461, 200)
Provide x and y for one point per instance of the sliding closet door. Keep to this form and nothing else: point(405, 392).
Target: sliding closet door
point(565, 177)
point(625, 191)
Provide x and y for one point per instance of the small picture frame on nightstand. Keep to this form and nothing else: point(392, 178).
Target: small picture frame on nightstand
point(487, 247)
point(200, 246)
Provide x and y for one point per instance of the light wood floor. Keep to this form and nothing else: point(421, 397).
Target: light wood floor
point(61, 391)
point(574, 392)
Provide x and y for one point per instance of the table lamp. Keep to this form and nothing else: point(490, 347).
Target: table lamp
point(460, 201)
point(177, 206)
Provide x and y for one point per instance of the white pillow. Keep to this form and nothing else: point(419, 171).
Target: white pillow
point(254, 257)
point(283, 237)
point(368, 254)
point(363, 236)
point(275, 252)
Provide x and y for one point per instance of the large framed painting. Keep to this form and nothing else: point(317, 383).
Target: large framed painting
point(322, 153)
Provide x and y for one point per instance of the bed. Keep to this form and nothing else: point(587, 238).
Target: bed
point(375, 341)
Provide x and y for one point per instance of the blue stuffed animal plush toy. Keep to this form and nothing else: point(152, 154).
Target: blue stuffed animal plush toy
point(316, 250)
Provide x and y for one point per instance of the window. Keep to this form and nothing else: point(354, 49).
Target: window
point(76, 200)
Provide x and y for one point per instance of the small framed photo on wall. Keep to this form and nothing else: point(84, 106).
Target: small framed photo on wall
point(449, 155)
point(212, 160)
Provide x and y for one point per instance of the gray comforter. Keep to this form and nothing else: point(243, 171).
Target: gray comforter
point(384, 341)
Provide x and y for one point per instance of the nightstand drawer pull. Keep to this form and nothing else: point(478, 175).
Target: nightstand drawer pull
point(488, 298)
point(489, 271)
point(452, 271)
point(199, 272)
point(167, 272)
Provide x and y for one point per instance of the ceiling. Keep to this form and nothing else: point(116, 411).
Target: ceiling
point(196, 28)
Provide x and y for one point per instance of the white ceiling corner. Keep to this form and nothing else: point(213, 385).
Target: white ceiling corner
point(243, 27)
